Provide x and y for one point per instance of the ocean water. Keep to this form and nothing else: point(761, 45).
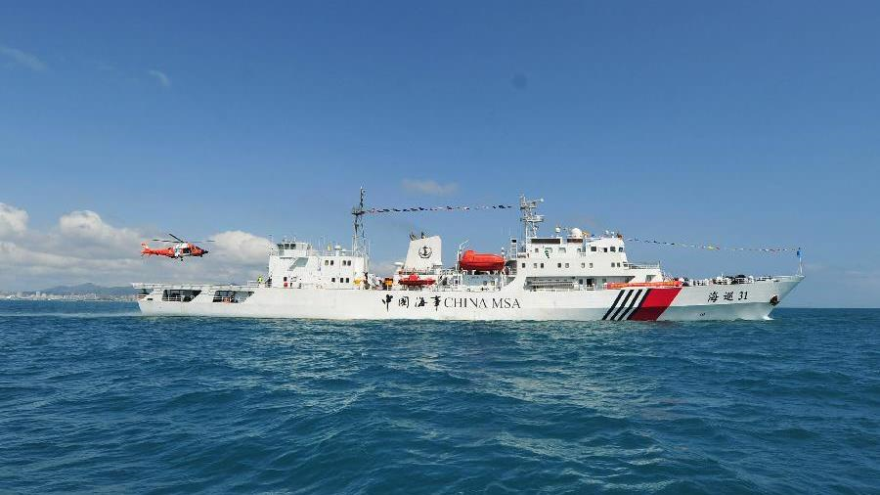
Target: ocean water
point(96, 398)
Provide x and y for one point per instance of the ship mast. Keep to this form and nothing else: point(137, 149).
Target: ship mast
point(358, 239)
point(529, 217)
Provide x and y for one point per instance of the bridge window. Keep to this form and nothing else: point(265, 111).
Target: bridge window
point(542, 265)
point(591, 265)
point(558, 265)
point(593, 248)
point(583, 265)
point(605, 250)
point(523, 265)
point(613, 249)
point(566, 265)
point(620, 249)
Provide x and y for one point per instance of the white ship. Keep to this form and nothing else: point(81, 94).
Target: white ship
point(570, 275)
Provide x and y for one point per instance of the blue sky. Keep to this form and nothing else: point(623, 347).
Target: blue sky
point(746, 123)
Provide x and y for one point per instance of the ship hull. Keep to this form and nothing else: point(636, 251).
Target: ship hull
point(752, 301)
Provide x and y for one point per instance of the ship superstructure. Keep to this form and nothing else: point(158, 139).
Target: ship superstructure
point(569, 275)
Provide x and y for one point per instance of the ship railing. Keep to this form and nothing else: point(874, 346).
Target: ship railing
point(154, 286)
point(642, 266)
point(740, 280)
point(564, 288)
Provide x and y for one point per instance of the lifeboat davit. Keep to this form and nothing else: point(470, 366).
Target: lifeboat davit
point(415, 281)
point(480, 262)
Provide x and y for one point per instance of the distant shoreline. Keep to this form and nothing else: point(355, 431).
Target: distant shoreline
point(70, 299)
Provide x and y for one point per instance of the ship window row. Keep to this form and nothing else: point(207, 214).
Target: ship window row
point(559, 265)
point(605, 249)
point(615, 265)
point(562, 250)
point(342, 280)
point(333, 262)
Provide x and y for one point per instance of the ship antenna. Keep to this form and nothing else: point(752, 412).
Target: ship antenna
point(358, 241)
point(529, 217)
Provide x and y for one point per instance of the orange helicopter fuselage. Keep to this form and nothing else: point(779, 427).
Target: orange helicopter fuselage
point(176, 251)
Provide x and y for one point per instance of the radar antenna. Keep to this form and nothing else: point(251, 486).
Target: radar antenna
point(530, 217)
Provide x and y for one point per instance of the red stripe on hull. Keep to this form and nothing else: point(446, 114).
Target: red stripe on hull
point(655, 304)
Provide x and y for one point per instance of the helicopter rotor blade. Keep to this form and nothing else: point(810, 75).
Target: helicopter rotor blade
point(178, 239)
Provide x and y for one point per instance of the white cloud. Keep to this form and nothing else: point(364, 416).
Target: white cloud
point(88, 225)
point(13, 221)
point(431, 187)
point(240, 247)
point(23, 59)
point(160, 76)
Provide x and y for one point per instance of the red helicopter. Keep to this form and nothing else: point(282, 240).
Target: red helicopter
point(179, 248)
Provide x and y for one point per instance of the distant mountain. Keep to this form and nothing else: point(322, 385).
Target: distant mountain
point(100, 290)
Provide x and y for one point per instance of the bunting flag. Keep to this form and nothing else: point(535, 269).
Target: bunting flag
point(712, 247)
point(417, 209)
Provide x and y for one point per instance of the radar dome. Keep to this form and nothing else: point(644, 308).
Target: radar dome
point(577, 233)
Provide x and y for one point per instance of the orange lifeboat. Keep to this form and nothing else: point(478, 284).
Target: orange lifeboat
point(415, 281)
point(480, 262)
